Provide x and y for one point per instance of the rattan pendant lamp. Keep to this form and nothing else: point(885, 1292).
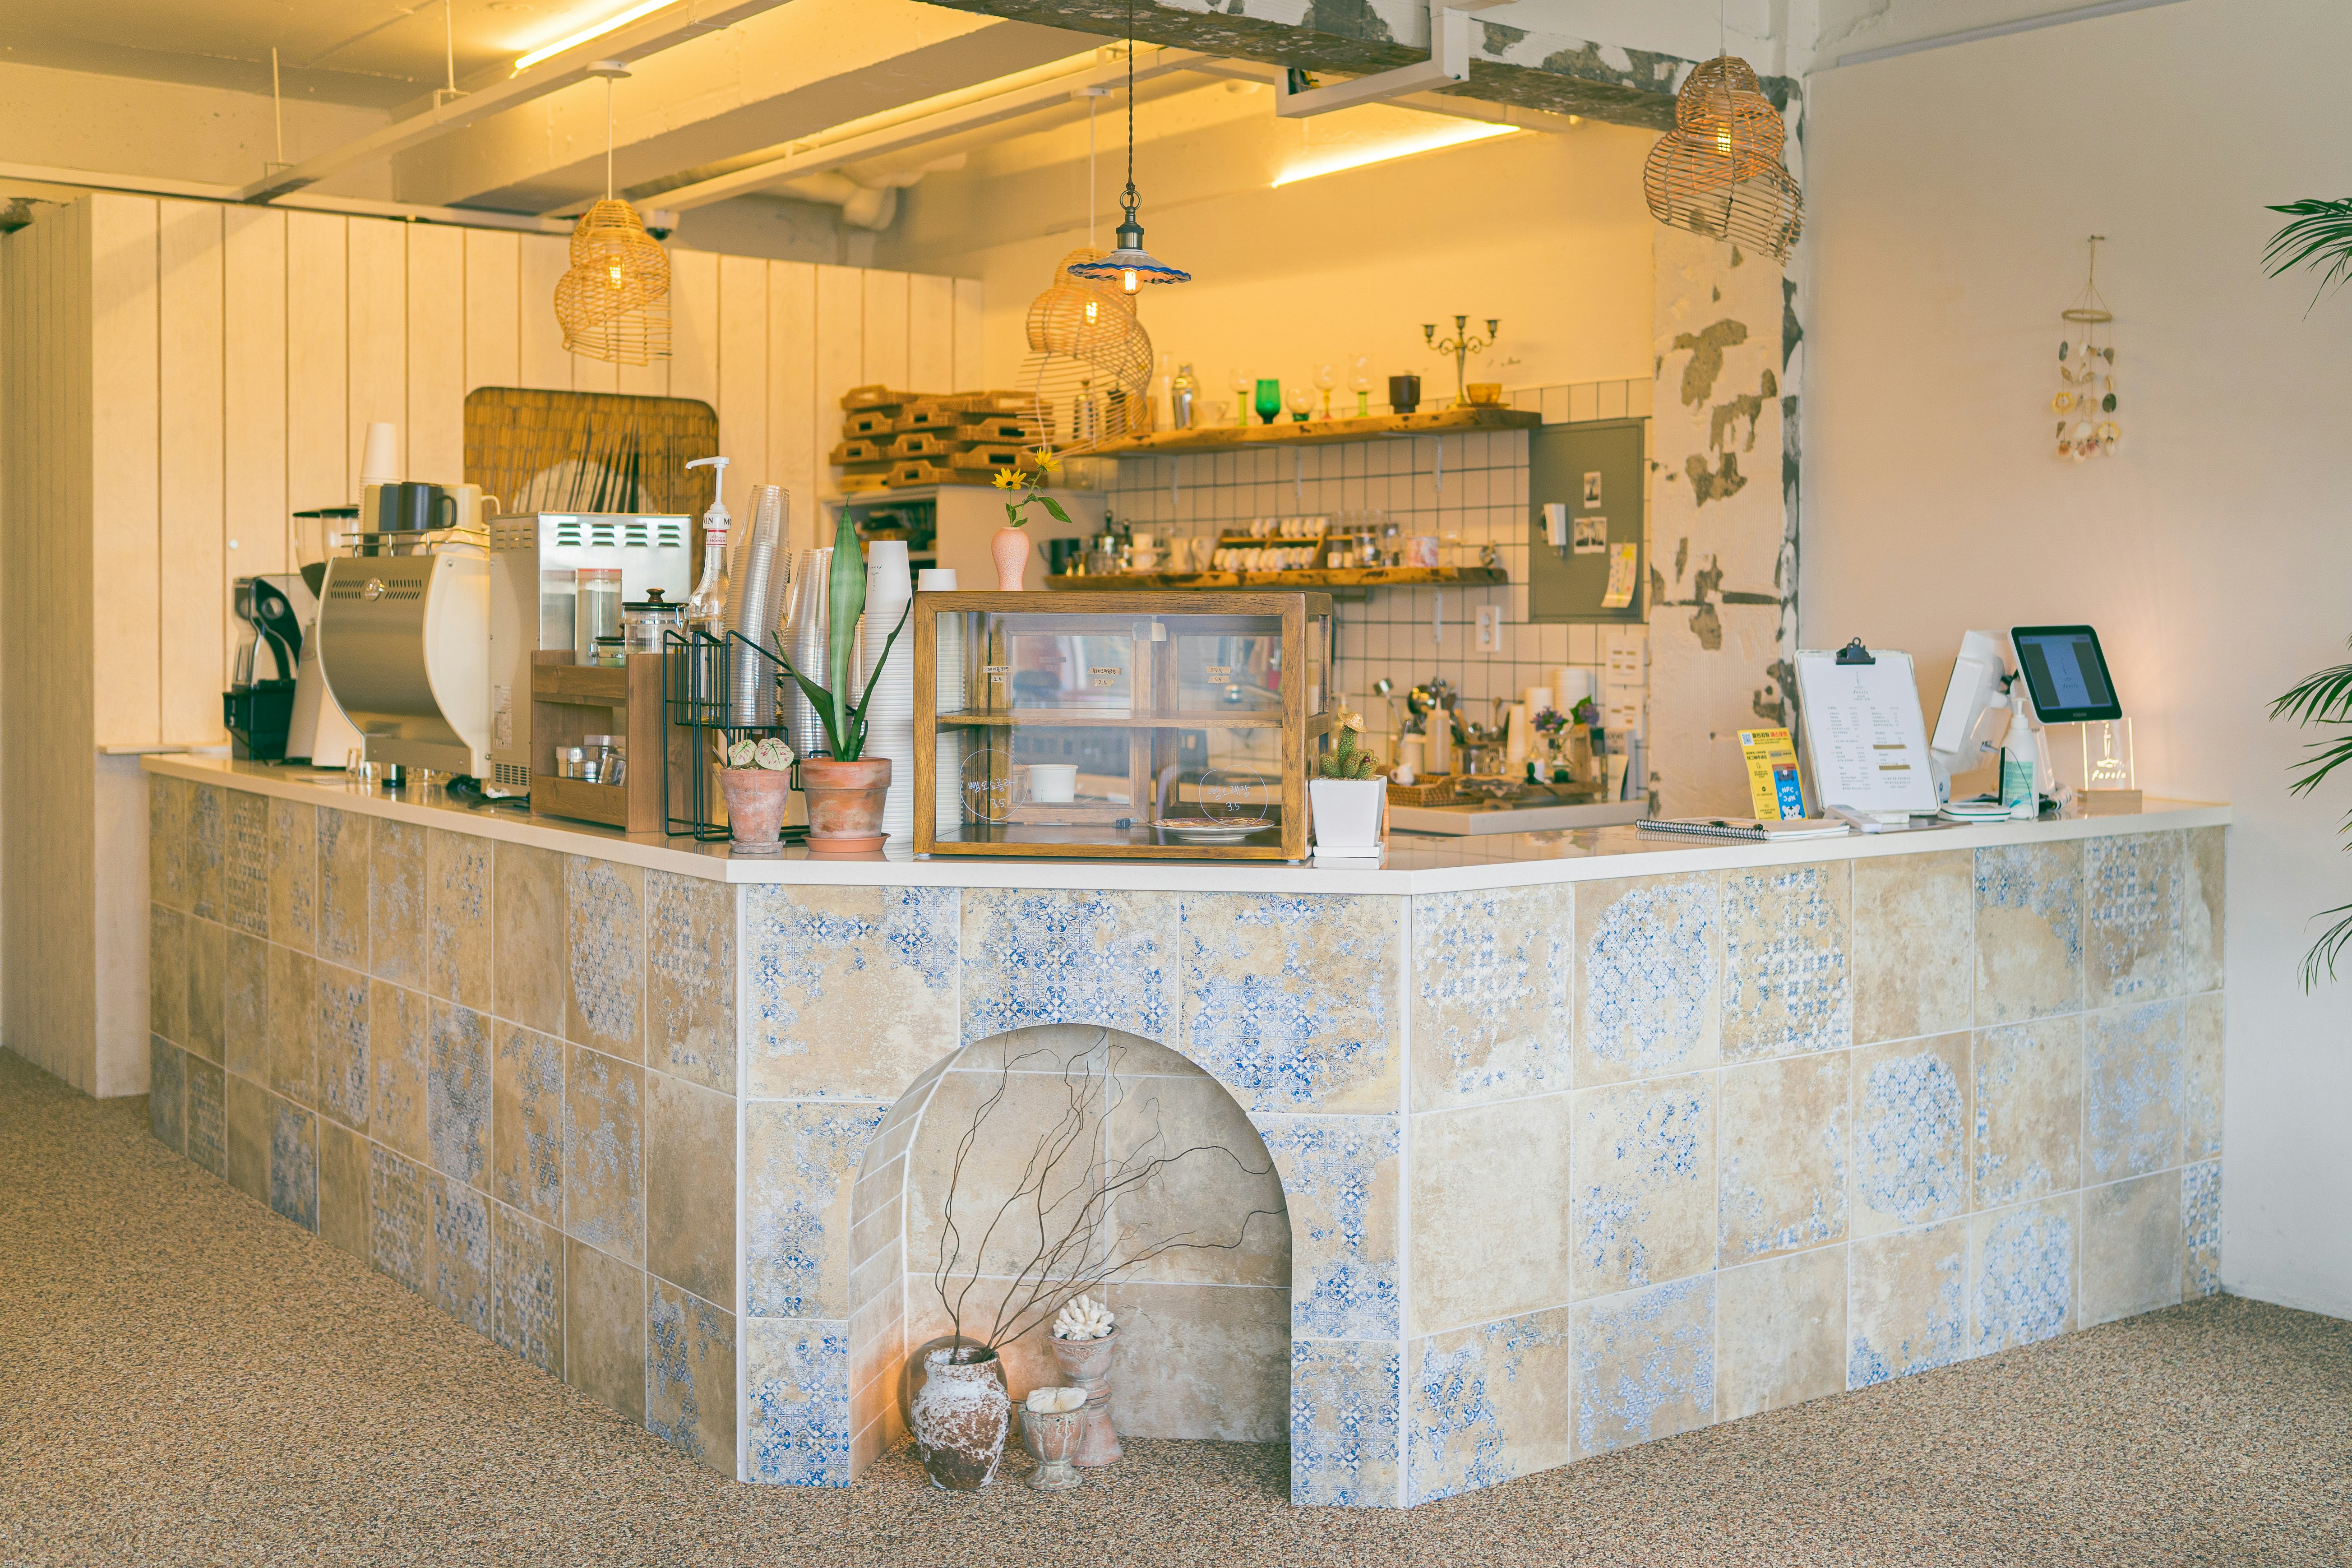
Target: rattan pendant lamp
point(613, 302)
point(1130, 265)
point(1719, 171)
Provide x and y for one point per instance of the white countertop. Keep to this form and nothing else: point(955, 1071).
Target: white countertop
point(1416, 864)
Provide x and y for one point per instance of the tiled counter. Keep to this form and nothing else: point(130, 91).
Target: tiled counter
point(1583, 1140)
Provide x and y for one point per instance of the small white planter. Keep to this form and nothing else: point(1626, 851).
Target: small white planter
point(1348, 814)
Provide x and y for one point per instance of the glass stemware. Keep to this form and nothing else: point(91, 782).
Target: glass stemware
point(1241, 386)
point(1362, 382)
point(1326, 378)
point(1301, 402)
point(1269, 401)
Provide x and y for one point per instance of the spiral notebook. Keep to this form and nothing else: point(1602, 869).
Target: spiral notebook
point(1748, 828)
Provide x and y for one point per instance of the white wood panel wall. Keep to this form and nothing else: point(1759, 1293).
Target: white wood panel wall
point(239, 354)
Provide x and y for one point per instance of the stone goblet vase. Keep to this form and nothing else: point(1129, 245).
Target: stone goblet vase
point(961, 1416)
point(1085, 1363)
point(1053, 1437)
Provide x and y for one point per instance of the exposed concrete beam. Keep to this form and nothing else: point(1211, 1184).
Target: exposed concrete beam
point(1509, 65)
point(69, 184)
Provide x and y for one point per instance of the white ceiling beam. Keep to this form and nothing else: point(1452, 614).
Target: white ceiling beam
point(1447, 104)
point(67, 181)
point(671, 25)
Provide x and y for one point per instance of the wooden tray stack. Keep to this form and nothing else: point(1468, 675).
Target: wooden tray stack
point(890, 439)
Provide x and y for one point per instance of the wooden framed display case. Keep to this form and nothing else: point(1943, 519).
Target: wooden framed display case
point(1151, 726)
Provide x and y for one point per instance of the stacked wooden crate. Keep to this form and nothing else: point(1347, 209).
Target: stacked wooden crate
point(891, 438)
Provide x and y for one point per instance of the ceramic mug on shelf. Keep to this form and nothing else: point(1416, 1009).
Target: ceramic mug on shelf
point(1053, 783)
point(1421, 549)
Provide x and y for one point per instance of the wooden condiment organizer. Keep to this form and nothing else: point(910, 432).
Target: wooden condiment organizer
point(569, 702)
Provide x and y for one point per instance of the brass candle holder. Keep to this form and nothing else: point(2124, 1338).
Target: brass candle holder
point(1461, 346)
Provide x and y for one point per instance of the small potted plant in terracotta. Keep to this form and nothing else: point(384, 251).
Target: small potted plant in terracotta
point(756, 783)
point(844, 788)
point(1010, 548)
point(1347, 797)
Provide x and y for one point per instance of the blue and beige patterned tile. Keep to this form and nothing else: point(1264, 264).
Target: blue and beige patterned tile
point(690, 978)
point(1641, 1187)
point(527, 1122)
point(1788, 985)
point(2201, 1230)
point(526, 1288)
point(852, 990)
point(1908, 1303)
point(690, 1186)
point(801, 1161)
point(1494, 973)
point(2203, 872)
point(400, 1218)
point(1644, 1365)
point(208, 849)
point(245, 1007)
point(2200, 1061)
point(2021, 1274)
point(1341, 1177)
point(2132, 1247)
point(1490, 1210)
point(2026, 1142)
point(294, 875)
point(293, 1025)
point(604, 1329)
point(603, 1154)
point(294, 1164)
point(1910, 1132)
point(346, 1076)
point(460, 1281)
point(167, 842)
point(167, 1093)
point(797, 1377)
point(2133, 1083)
point(252, 1120)
point(400, 1061)
point(604, 941)
point(246, 865)
point(207, 1142)
point(343, 1212)
point(530, 964)
point(2029, 931)
point(1649, 976)
point(1914, 948)
point(2132, 917)
point(1780, 1332)
point(1346, 1399)
point(1291, 1001)
point(397, 902)
point(344, 857)
point(1783, 1151)
point(206, 956)
point(461, 941)
point(457, 1093)
point(690, 1375)
point(1069, 957)
point(1487, 1404)
point(167, 972)
point(1216, 1183)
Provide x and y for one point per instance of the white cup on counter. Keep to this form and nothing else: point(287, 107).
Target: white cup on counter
point(1053, 783)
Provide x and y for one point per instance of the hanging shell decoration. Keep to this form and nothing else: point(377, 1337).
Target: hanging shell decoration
point(1083, 1319)
point(613, 302)
point(2086, 400)
point(1720, 171)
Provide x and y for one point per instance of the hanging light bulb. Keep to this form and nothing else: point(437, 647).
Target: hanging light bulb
point(613, 302)
point(1130, 264)
point(1719, 172)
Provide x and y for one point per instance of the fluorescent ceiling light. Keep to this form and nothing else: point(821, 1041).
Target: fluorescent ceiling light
point(1453, 135)
point(549, 51)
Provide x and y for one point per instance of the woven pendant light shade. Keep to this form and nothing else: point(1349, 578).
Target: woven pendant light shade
point(613, 302)
point(1719, 172)
point(1090, 366)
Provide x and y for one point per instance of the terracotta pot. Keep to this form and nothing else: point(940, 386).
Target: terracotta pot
point(1010, 549)
point(1086, 1365)
point(755, 807)
point(844, 803)
point(961, 1416)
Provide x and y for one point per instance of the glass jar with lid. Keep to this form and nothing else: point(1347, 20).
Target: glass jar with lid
point(597, 614)
point(643, 622)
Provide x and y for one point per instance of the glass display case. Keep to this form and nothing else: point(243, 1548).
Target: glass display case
point(1174, 725)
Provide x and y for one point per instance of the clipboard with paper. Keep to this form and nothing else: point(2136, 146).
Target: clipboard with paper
point(1864, 733)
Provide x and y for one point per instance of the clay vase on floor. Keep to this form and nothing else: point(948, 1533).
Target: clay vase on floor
point(755, 807)
point(961, 1416)
point(844, 803)
point(1085, 1363)
point(1010, 551)
point(1052, 1437)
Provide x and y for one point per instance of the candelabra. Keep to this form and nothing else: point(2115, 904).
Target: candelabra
point(1461, 346)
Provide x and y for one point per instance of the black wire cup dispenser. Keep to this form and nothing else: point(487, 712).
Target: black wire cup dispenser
point(706, 680)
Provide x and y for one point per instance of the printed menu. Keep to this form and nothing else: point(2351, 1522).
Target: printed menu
point(1863, 727)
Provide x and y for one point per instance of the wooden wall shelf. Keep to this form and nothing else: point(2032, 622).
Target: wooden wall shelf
point(570, 701)
point(1315, 431)
point(1320, 577)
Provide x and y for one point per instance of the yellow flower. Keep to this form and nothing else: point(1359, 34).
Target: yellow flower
point(1046, 461)
point(1008, 479)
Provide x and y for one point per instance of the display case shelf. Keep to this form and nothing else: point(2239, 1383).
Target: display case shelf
point(1316, 432)
point(1319, 577)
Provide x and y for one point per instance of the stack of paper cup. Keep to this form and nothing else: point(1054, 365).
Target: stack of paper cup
point(951, 689)
point(890, 707)
point(1570, 686)
point(803, 729)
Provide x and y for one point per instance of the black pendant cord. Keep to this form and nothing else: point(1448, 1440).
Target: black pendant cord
point(1128, 197)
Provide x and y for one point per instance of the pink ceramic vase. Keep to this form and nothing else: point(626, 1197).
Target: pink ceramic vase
point(1011, 550)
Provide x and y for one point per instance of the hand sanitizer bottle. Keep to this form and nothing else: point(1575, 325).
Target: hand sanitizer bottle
point(2017, 759)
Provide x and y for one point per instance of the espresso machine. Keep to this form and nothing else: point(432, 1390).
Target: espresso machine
point(257, 707)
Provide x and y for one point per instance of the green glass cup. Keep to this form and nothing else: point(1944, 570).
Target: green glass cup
point(1269, 401)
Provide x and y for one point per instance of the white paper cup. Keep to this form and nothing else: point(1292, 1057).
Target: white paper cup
point(1053, 783)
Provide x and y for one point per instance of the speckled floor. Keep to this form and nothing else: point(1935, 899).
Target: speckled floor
point(151, 1413)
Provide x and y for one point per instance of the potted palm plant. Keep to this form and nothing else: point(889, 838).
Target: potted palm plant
point(845, 788)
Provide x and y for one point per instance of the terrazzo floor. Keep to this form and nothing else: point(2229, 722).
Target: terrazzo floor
point(185, 1378)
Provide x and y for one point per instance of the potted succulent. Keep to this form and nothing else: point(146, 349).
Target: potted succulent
point(1010, 548)
point(844, 788)
point(756, 782)
point(1347, 798)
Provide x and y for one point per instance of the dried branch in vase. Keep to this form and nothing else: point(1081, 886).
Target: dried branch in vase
point(1059, 1224)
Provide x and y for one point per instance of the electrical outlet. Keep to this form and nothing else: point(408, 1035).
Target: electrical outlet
point(1490, 628)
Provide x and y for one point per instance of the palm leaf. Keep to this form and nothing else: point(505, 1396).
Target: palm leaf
point(2319, 235)
point(2330, 945)
point(2322, 699)
point(2325, 758)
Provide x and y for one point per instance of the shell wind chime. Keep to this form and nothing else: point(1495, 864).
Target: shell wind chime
point(2086, 400)
point(1720, 171)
